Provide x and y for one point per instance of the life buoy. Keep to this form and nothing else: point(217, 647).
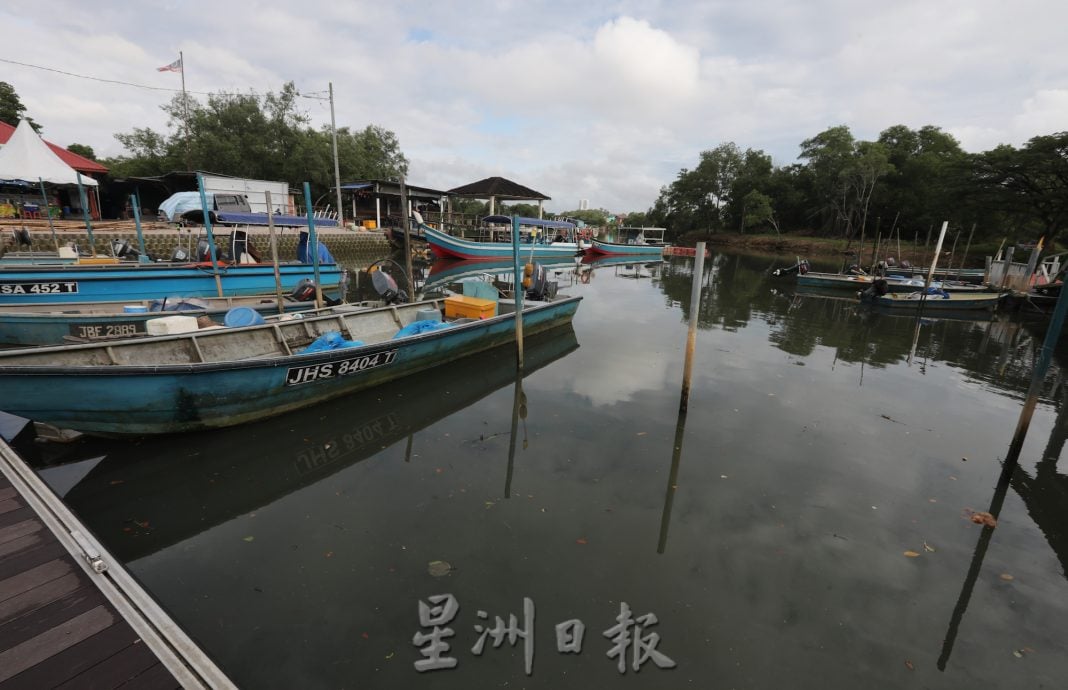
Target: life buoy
point(584, 277)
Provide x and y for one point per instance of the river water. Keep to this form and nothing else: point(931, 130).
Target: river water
point(812, 529)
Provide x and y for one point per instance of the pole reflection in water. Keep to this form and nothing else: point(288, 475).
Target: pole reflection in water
point(519, 411)
point(1010, 467)
point(684, 397)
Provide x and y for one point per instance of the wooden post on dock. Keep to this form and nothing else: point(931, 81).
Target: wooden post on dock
point(967, 247)
point(684, 397)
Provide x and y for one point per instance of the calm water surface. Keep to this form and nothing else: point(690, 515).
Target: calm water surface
point(815, 454)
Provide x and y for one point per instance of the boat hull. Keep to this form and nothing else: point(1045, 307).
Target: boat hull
point(446, 246)
point(600, 248)
point(53, 284)
point(153, 395)
point(44, 324)
point(847, 281)
point(936, 303)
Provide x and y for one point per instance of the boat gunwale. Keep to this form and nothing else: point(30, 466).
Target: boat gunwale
point(301, 358)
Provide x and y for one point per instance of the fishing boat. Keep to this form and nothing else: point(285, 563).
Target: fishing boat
point(305, 448)
point(135, 282)
point(619, 249)
point(934, 300)
point(631, 241)
point(544, 239)
point(53, 324)
point(220, 377)
point(894, 283)
point(446, 271)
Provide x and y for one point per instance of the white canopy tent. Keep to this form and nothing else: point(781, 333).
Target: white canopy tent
point(27, 157)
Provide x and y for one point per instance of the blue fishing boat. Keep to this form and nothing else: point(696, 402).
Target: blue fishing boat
point(54, 324)
point(545, 239)
point(220, 377)
point(76, 283)
point(600, 248)
point(934, 301)
point(445, 271)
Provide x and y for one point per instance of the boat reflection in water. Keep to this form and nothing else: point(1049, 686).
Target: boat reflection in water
point(145, 496)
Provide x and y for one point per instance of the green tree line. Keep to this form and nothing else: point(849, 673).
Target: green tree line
point(261, 137)
point(907, 180)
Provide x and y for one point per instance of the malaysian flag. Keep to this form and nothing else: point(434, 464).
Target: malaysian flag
point(175, 66)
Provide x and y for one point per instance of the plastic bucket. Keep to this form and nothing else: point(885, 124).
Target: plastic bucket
point(243, 316)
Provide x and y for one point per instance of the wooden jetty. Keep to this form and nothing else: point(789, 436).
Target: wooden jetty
point(70, 615)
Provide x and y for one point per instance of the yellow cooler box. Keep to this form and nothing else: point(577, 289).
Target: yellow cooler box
point(461, 306)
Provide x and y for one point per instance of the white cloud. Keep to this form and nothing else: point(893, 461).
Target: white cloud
point(603, 100)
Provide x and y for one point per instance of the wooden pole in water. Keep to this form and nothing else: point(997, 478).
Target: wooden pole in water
point(85, 213)
point(313, 246)
point(407, 225)
point(274, 252)
point(48, 214)
point(211, 235)
point(967, 247)
point(927, 284)
point(684, 396)
point(517, 293)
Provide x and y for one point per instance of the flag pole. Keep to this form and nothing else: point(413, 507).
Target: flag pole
point(185, 108)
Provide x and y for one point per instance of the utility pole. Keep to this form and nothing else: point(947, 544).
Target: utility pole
point(337, 172)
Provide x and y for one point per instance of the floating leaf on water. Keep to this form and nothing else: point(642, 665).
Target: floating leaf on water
point(581, 540)
point(1006, 577)
point(912, 554)
point(928, 547)
point(908, 665)
point(438, 568)
point(985, 519)
point(642, 433)
point(1017, 653)
point(249, 538)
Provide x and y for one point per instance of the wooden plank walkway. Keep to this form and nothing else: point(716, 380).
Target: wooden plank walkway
point(57, 629)
point(70, 614)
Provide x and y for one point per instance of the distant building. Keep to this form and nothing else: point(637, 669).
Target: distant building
point(584, 204)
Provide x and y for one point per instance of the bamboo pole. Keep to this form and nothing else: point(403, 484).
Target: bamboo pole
point(407, 225)
point(967, 247)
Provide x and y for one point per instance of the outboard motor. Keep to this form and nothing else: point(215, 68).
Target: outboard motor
point(304, 291)
point(802, 267)
point(387, 288)
point(179, 254)
point(203, 251)
point(535, 281)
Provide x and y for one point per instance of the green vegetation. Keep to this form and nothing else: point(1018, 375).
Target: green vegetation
point(262, 137)
point(11, 108)
point(907, 181)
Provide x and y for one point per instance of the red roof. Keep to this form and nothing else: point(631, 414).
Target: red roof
point(79, 163)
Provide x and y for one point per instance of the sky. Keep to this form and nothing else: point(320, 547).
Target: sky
point(602, 101)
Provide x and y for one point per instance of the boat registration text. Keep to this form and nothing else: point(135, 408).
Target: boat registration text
point(345, 367)
point(34, 287)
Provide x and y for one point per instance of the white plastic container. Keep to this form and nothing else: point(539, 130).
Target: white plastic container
point(171, 325)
